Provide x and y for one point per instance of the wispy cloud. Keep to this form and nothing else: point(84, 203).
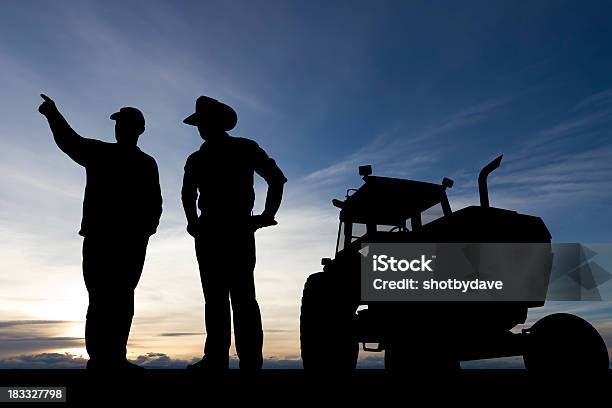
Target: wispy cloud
point(43, 361)
point(569, 128)
point(180, 334)
point(471, 114)
point(14, 323)
point(153, 360)
point(404, 152)
point(564, 180)
point(597, 100)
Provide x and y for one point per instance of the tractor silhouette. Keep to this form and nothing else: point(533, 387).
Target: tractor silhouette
point(431, 335)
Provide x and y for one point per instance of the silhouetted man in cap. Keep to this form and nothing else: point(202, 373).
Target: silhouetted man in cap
point(121, 210)
point(222, 173)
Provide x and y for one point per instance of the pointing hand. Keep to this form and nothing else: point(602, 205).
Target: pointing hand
point(48, 106)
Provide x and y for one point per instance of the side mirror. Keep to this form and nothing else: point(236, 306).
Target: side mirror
point(337, 203)
point(325, 261)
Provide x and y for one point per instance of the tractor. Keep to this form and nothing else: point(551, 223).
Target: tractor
point(422, 335)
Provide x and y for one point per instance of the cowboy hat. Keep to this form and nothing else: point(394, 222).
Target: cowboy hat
point(211, 111)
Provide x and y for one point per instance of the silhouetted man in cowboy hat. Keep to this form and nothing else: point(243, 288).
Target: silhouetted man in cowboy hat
point(121, 210)
point(221, 171)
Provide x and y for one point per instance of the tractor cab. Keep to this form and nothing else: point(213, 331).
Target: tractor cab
point(385, 204)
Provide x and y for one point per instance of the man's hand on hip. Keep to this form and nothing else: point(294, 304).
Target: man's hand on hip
point(193, 229)
point(261, 221)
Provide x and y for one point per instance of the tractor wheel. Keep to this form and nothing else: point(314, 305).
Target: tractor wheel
point(563, 342)
point(327, 325)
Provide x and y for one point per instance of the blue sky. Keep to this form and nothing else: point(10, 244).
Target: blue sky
point(419, 89)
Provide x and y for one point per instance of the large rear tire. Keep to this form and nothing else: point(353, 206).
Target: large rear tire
point(564, 342)
point(327, 325)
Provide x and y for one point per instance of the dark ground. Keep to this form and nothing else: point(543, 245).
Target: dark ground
point(296, 387)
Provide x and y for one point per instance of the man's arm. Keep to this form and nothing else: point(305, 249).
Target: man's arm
point(274, 196)
point(156, 199)
point(69, 141)
point(189, 197)
point(274, 177)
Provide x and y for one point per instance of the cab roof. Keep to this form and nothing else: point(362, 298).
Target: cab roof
point(390, 201)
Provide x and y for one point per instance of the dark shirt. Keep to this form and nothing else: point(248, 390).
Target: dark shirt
point(122, 195)
point(222, 172)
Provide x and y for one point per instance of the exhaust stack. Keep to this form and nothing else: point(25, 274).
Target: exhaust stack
point(482, 180)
